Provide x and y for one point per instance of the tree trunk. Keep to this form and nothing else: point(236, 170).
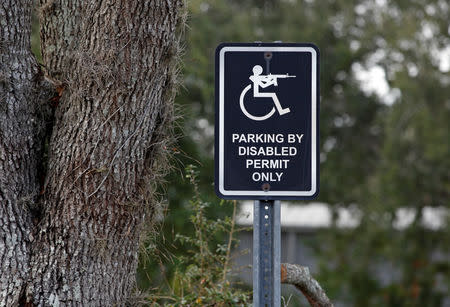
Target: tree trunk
point(112, 63)
point(17, 173)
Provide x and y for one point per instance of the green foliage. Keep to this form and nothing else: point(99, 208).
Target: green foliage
point(379, 263)
point(202, 276)
point(377, 156)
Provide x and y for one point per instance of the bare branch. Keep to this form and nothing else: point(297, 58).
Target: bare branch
point(300, 277)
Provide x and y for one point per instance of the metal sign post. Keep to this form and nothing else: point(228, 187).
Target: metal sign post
point(266, 253)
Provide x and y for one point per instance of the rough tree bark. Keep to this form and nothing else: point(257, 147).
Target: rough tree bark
point(19, 146)
point(69, 233)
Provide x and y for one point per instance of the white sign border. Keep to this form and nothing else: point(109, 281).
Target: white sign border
point(313, 52)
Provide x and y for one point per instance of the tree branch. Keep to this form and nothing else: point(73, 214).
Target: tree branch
point(300, 277)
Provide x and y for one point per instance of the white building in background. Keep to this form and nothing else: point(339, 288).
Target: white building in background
point(300, 223)
point(318, 215)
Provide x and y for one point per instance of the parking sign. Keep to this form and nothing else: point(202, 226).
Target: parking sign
point(266, 129)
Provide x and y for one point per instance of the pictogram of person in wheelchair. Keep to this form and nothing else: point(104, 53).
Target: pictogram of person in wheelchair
point(263, 81)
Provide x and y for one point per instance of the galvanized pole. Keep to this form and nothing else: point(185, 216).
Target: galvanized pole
point(266, 253)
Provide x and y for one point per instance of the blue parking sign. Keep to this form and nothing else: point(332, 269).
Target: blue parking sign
point(267, 119)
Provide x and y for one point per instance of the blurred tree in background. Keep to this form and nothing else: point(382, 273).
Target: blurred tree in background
point(384, 142)
point(385, 138)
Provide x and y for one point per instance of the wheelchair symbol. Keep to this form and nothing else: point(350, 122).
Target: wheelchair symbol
point(263, 81)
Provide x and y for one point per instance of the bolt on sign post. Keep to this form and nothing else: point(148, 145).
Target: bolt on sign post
point(266, 141)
